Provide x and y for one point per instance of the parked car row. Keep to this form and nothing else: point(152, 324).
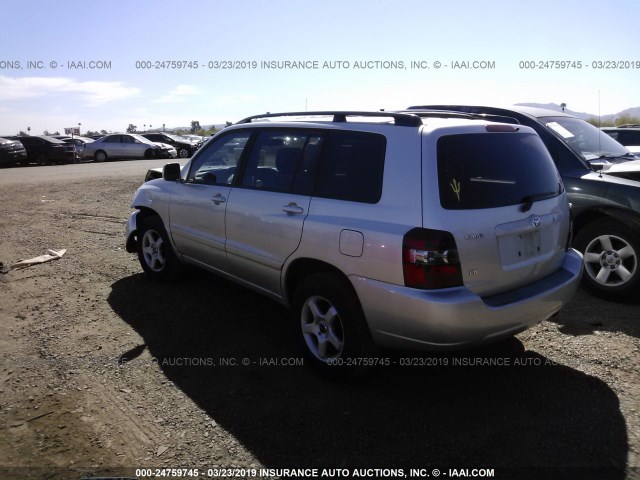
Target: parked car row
point(59, 149)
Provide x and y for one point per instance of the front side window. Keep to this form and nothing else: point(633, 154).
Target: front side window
point(494, 170)
point(217, 162)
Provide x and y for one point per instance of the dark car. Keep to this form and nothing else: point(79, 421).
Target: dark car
point(606, 207)
point(627, 135)
point(12, 153)
point(45, 150)
point(184, 148)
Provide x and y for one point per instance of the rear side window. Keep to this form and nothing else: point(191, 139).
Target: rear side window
point(351, 167)
point(493, 170)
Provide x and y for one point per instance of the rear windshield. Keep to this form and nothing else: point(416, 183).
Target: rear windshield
point(494, 170)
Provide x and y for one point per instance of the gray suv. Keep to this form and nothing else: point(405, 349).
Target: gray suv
point(375, 228)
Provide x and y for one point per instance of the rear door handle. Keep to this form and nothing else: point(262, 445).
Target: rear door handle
point(218, 199)
point(292, 209)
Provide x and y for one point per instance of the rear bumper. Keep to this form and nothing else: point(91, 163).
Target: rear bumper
point(402, 317)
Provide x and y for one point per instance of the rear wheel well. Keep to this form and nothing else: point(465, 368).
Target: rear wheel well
point(591, 216)
point(303, 268)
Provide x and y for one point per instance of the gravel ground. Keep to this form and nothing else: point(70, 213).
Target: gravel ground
point(103, 371)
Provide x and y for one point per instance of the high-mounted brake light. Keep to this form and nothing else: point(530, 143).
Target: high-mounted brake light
point(502, 128)
point(430, 259)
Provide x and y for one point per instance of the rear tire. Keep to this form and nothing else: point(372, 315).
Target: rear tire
point(331, 328)
point(611, 252)
point(155, 253)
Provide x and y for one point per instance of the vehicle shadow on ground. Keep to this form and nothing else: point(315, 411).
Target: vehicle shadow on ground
point(541, 420)
point(586, 313)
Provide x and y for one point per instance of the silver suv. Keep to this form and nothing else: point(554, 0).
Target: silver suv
point(376, 228)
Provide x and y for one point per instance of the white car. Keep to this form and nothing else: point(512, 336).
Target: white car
point(121, 145)
point(375, 228)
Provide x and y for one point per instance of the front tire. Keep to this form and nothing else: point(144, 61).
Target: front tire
point(331, 327)
point(155, 252)
point(611, 252)
point(183, 153)
point(100, 156)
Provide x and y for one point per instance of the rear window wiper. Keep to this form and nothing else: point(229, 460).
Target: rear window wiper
point(528, 200)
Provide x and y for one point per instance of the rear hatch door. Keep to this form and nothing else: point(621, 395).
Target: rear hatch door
point(499, 193)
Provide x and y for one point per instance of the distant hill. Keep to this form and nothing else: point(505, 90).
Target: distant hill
point(634, 112)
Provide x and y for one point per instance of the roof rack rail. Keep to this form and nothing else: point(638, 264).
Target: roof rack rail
point(408, 119)
point(629, 125)
point(424, 112)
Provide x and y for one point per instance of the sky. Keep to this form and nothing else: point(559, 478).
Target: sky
point(106, 65)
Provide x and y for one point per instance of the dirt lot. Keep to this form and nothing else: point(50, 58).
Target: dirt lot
point(102, 371)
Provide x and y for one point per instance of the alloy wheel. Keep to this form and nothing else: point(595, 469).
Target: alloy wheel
point(610, 260)
point(322, 328)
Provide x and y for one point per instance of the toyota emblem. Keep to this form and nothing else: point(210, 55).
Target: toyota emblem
point(535, 221)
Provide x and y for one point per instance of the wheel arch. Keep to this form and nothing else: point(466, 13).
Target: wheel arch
point(143, 212)
point(624, 217)
point(301, 268)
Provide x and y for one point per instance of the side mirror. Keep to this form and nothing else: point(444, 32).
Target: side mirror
point(171, 172)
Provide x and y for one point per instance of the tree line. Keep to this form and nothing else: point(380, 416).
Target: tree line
point(621, 120)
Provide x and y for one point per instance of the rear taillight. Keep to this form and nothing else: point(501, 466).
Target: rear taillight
point(430, 259)
point(570, 232)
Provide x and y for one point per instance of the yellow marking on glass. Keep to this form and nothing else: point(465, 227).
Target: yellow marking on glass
point(456, 187)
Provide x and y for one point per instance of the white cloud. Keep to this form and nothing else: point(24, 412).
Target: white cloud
point(93, 93)
point(179, 93)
